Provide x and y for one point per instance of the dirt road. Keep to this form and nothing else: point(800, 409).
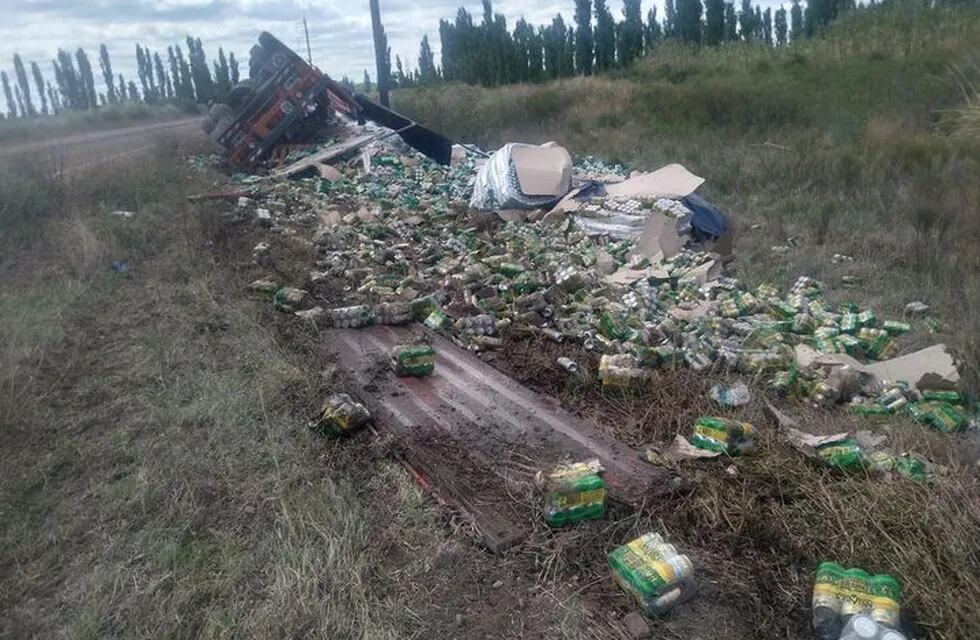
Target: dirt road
point(76, 152)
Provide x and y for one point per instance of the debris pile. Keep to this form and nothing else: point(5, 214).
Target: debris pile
point(526, 242)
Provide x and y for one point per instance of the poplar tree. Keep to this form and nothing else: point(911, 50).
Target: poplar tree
point(199, 71)
point(163, 80)
point(631, 42)
point(767, 26)
point(605, 37)
point(107, 76)
point(651, 34)
point(780, 25)
point(233, 69)
point(689, 20)
point(427, 63)
point(731, 22)
point(222, 77)
point(24, 85)
point(670, 20)
point(714, 22)
point(39, 83)
point(584, 37)
point(86, 81)
point(746, 21)
point(8, 94)
point(796, 23)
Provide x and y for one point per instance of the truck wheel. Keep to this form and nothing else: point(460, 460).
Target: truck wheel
point(239, 94)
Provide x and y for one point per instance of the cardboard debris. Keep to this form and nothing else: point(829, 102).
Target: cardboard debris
point(805, 442)
point(704, 273)
point(680, 449)
point(929, 368)
point(329, 173)
point(690, 314)
point(512, 215)
point(544, 170)
point(625, 275)
point(659, 237)
point(671, 181)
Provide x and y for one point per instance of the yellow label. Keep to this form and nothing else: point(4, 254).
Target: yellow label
point(653, 559)
point(855, 596)
point(580, 499)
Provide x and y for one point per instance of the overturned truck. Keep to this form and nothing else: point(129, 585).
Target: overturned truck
point(288, 101)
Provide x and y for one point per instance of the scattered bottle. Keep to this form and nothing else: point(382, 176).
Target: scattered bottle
point(573, 493)
point(654, 574)
point(340, 414)
point(413, 360)
point(839, 595)
point(863, 627)
point(721, 434)
point(568, 365)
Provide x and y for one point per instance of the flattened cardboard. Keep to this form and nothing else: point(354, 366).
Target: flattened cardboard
point(929, 368)
point(671, 181)
point(543, 171)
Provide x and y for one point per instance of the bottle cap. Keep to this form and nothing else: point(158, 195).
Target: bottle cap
point(864, 627)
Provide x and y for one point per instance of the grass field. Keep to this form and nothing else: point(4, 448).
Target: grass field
point(159, 479)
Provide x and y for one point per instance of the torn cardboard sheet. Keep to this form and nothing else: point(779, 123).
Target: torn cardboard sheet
point(625, 275)
point(671, 181)
point(703, 273)
point(329, 173)
point(690, 314)
point(680, 449)
point(659, 236)
point(544, 170)
point(512, 215)
point(929, 368)
point(805, 442)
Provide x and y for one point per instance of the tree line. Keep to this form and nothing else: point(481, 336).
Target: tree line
point(176, 78)
point(486, 52)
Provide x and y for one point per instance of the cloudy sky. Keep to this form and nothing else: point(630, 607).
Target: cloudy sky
point(340, 30)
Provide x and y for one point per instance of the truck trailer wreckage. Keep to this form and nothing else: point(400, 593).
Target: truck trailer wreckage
point(288, 101)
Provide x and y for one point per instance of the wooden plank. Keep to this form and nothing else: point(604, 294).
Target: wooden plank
point(331, 152)
point(490, 422)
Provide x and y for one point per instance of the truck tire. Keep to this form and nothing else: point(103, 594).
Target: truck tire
point(239, 94)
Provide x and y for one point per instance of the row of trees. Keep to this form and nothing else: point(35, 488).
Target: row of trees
point(487, 53)
point(186, 79)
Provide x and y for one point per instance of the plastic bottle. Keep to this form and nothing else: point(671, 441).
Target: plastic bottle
point(653, 573)
point(864, 627)
point(860, 627)
point(827, 602)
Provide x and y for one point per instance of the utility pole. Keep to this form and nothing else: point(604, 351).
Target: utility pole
point(380, 53)
point(306, 32)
